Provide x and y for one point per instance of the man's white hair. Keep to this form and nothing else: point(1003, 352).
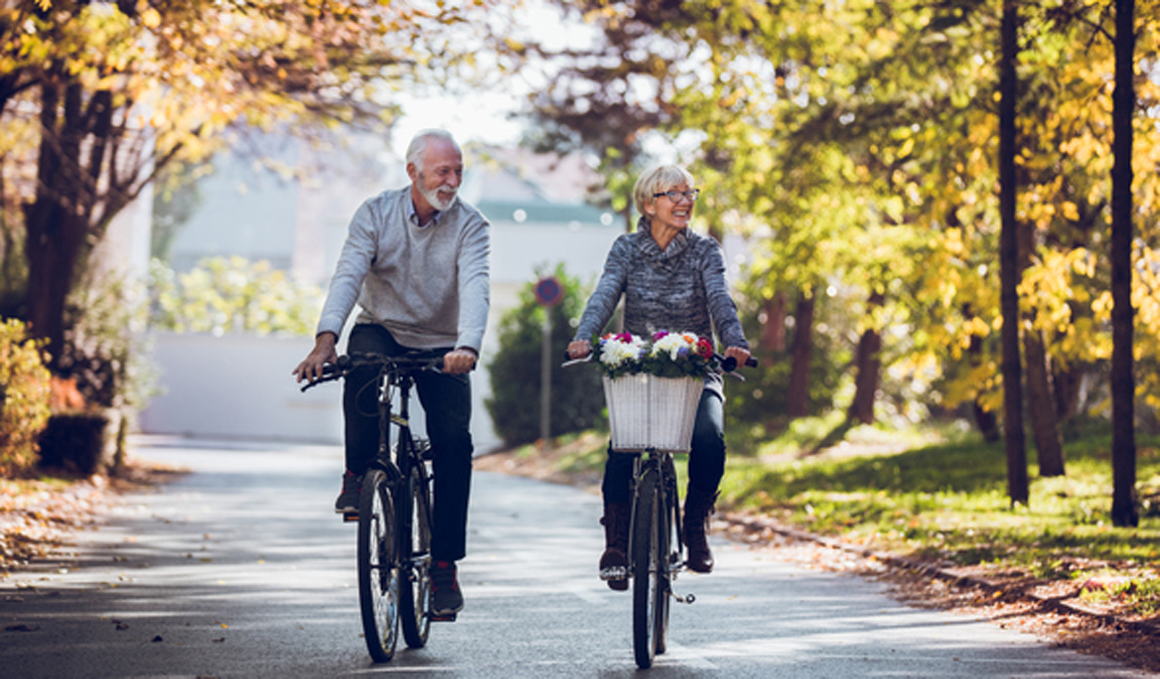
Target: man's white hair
point(419, 144)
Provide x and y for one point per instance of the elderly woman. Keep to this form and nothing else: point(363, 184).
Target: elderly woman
point(672, 279)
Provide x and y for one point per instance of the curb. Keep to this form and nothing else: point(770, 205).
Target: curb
point(1053, 603)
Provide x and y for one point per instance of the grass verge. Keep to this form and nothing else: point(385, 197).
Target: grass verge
point(947, 504)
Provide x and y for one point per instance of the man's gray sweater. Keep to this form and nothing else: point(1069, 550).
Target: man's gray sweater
point(429, 285)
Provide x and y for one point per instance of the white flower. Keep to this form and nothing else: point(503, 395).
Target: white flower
point(616, 353)
point(672, 344)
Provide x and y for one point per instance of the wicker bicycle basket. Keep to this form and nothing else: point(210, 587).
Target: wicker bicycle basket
point(645, 411)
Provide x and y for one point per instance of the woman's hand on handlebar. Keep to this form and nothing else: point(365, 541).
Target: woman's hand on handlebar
point(738, 354)
point(310, 368)
point(579, 349)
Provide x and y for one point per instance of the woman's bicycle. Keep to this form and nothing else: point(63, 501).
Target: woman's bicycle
point(656, 549)
point(394, 516)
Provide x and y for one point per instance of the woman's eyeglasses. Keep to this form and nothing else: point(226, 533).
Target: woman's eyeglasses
point(675, 195)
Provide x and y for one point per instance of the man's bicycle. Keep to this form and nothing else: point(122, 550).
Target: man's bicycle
point(394, 516)
point(656, 549)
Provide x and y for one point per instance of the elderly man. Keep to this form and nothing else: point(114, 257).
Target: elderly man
point(416, 262)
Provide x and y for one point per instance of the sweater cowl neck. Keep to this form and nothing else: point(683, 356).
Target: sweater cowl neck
point(650, 248)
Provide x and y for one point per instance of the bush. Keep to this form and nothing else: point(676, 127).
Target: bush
point(106, 350)
point(74, 442)
point(24, 397)
point(577, 394)
point(223, 295)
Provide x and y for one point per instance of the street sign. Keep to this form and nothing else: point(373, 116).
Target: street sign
point(549, 292)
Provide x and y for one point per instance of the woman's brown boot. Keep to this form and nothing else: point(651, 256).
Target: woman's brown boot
point(614, 560)
point(698, 507)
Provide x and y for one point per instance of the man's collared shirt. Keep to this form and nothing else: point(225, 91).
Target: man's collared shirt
point(413, 215)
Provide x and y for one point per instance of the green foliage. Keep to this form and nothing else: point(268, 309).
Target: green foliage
point(857, 143)
point(762, 398)
point(74, 442)
point(231, 294)
point(24, 397)
point(13, 268)
point(577, 393)
point(106, 350)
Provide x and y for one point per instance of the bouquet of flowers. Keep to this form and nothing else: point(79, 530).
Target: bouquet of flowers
point(665, 354)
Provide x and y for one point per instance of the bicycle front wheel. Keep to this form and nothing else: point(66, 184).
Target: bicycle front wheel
point(415, 602)
point(646, 570)
point(378, 568)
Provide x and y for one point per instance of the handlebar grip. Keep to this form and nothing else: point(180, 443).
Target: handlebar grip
point(341, 365)
point(330, 372)
point(729, 364)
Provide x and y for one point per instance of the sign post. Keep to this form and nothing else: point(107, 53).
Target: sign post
point(549, 293)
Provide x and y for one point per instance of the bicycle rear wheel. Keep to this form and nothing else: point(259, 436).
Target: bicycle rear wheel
point(378, 570)
point(415, 602)
point(647, 587)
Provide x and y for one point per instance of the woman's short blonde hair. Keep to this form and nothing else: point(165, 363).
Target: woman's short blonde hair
point(657, 179)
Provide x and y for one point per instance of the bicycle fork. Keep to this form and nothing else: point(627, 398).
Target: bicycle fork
point(672, 504)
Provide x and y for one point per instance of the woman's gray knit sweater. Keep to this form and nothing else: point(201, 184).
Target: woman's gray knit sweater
point(680, 289)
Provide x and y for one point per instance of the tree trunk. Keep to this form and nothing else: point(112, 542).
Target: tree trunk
point(1014, 437)
point(868, 366)
point(1066, 384)
point(986, 420)
point(1124, 508)
point(799, 378)
point(54, 232)
point(1041, 405)
point(773, 328)
point(77, 193)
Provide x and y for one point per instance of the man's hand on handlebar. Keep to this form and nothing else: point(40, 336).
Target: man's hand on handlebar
point(310, 368)
point(579, 349)
point(459, 361)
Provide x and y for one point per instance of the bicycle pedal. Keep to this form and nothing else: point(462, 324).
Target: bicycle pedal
point(614, 573)
point(450, 617)
point(683, 599)
point(350, 517)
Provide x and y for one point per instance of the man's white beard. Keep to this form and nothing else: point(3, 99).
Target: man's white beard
point(435, 201)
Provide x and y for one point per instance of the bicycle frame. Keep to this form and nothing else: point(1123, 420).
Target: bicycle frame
point(409, 456)
point(655, 554)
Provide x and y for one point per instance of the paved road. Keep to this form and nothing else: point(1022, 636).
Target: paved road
point(239, 570)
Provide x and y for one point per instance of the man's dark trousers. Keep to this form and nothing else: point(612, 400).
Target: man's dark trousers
point(446, 399)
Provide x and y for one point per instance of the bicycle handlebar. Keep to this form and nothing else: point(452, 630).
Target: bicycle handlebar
point(346, 363)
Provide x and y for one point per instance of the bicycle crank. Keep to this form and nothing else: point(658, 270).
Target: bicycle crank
point(682, 599)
